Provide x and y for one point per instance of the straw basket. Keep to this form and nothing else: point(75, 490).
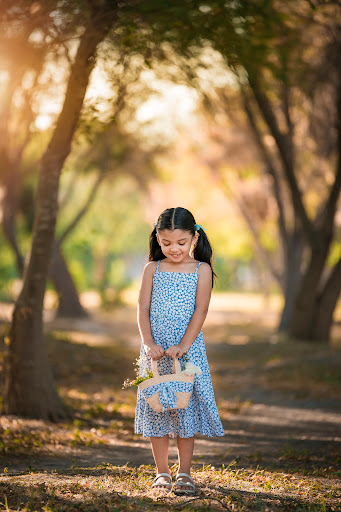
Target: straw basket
point(164, 392)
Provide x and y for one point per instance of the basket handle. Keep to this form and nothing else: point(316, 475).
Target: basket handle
point(176, 367)
point(154, 368)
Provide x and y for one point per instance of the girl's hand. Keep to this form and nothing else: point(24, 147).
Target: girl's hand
point(154, 351)
point(175, 351)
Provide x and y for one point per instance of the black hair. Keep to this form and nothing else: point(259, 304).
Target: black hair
point(180, 218)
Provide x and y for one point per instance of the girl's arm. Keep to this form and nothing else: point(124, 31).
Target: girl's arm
point(143, 310)
point(202, 301)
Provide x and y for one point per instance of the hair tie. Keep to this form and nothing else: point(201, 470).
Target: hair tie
point(198, 226)
point(154, 224)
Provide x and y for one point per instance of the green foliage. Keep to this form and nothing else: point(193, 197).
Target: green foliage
point(242, 31)
point(232, 241)
point(226, 271)
point(108, 236)
point(267, 238)
point(8, 270)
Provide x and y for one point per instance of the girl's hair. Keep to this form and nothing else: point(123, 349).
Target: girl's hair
point(180, 218)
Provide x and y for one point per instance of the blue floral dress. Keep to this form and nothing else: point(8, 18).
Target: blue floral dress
point(172, 306)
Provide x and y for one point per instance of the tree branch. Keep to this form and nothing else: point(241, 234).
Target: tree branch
point(286, 153)
point(270, 169)
point(286, 110)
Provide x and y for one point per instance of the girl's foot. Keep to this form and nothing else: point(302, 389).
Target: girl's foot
point(183, 485)
point(163, 481)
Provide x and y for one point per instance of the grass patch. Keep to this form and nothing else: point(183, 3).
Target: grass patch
point(109, 488)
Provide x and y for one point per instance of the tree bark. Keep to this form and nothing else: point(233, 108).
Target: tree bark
point(292, 278)
point(325, 305)
point(305, 303)
point(29, 388)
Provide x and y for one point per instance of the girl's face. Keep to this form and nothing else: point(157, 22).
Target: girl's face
point(176, 245)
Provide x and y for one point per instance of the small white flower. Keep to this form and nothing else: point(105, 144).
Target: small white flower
point(191, 369)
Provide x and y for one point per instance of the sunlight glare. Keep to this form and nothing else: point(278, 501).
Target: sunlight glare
point(43, 121)
point(170, 107)
point(214, 72)
point(100, 91)
point(173, 101)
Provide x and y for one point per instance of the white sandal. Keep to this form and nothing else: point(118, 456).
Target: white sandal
point(163, 485)
point(181, 483)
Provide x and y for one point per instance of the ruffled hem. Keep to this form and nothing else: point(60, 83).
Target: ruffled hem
point(173, 434)
point(175, 424)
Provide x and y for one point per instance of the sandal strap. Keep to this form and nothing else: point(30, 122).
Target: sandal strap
point(163, 474)
point(182, 483)
point(185, 474)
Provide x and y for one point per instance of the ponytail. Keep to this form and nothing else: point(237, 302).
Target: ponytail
point(203, 251)
point(155, 253)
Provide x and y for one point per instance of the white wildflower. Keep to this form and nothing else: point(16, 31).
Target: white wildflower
point(191, 369)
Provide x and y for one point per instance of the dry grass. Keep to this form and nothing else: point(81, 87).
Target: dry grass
point(109, 488)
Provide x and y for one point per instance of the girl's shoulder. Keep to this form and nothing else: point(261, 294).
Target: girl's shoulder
point(148, 272)
point(205, 269)
point(150, 267)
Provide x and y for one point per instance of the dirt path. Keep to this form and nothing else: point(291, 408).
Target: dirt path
point(264, 425)
point(268, 435)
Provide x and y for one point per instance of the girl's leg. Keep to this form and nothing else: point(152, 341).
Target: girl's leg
point(160, 453)
point(185, 454)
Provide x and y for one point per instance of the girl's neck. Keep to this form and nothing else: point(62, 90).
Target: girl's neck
point(183, 266)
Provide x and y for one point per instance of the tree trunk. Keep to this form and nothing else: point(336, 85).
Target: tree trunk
point(293, 276)
point(304, 307)
point(69, 304)
point(29, 388)
point(325, 305)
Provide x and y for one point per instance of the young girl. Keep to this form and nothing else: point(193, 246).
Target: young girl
point(173, 302)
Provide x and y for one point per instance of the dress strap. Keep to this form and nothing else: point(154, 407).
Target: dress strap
point(157, 266)
point(197, 270)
